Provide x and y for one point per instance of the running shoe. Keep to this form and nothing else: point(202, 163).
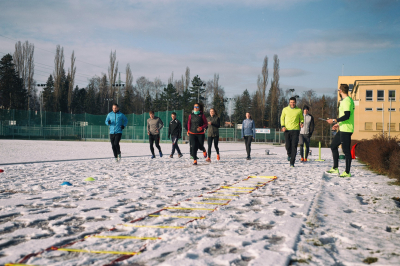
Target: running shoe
point(180, 155)
point(194, 162)
point(302, 159)
point(171, 156)
point(288, 158)
point(116, 159)
point(205, 154)
point(345, 174)
point(292, 165)
point(191, 157)
point(119, 157)
point(333, 171)
point(248, 158)
point(161, 154)
point(305, 159)
point(218, 158)
point(153, 156)
point(208, 160)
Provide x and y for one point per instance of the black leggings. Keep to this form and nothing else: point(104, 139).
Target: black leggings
point(115, 138)
point(247, 141)
point(156, 139)
point(343, 138)
point(292, 140)
point(210, 141)
point(196, 142)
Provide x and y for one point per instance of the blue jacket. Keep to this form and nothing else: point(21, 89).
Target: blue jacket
point(248, 128)
point(117, 119)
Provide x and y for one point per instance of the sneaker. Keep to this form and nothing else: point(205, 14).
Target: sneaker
point(205, 154)
point(171, 156)
point(302, 159)
point(180, 155)
point(292, 165)
point(288, 158)
point(248, 158)
point(345, 174)
point(194, 162)
point(161, 154)
point(208, 160)
point(218, 157)
point(116, 159)
point(153, 156)
point(305, 159)
point(191, 157)
point(333, 171)
point(119, 157)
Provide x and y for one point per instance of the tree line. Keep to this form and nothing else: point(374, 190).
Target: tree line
point(18, 91)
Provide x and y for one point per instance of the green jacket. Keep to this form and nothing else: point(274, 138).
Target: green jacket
point(291, 118)
point(212, 130)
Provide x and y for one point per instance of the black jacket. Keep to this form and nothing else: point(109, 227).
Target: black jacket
point(175, 128)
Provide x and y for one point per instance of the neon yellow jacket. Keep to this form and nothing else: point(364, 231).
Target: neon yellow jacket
point(291, 118)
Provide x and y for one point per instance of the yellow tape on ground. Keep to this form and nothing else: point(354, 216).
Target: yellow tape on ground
point(269, 177)
point(177, 216)
point(98, 251)
point(181, 208)
point(240, 187)
point(18, 264)
point(215, 199)
point(223, 194)
point(125, 237)
point(155, 226)
point(235, 191)
point(209, 203)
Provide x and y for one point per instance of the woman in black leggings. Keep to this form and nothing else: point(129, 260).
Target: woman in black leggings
point(213, 133)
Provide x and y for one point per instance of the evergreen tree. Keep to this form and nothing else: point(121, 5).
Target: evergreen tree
point(197, 90)
point(12, 92)
point(218, 104)
point(90, 101)
point(127, 103)
point(63, 101)
point(148, 103)
point(48, 95)
point(170, 98)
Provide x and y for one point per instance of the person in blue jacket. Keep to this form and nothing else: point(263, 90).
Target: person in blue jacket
point(248, 133)
point(117, 122)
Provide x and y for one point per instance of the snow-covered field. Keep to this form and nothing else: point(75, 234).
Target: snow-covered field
point(302, 216)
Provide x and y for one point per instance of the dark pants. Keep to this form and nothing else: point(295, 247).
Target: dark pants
point(115, 138)
point(304, 139)
point(247, 141)
point(196, 143)
point(210, 141)
point(343, 138)
point(156, 139)
point(175, 145)
point(292, 140)
point(199, 148)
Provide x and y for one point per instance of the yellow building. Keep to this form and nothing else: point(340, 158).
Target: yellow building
point(377, 104)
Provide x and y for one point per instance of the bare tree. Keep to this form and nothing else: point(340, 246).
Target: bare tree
point(24, 63)
point(187, 78)
point(58, 73)
point(112, 73)
point(171, 78)
point(71, 73)
point(262, 82)
point(275, 93)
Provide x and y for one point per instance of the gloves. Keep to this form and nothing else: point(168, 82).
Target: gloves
point(109, 122)
point(122, 127)
point(309, 135)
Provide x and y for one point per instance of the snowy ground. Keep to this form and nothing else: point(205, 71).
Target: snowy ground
point(302, 216)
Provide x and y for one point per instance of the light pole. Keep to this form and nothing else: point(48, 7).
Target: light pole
point(291, 92)
point(108, 100)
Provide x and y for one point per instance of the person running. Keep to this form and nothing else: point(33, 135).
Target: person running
point(248, 133)
point(291, 121)
point(306, 133)
point(345, 124)
point(175, 132)
point(117, 121)
point(213, 133)
point(197, 123)
point(154, 125)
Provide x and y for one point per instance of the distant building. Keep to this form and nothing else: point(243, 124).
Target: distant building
point(377, 104)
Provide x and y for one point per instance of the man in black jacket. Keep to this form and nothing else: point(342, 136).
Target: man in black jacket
point(175, 132)
point(305, 133)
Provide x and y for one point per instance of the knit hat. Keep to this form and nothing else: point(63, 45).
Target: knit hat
point(306, 107)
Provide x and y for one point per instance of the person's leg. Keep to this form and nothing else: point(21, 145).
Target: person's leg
point(151, 140)
point(157, 141)
point(301, 143)
point(246, 139)
point(288, 143)
point(209, 143)
point(193, 146)
point(173, 139)
point(307, 142)
point(250, 140)
point(202, 140)
point(177, 147)
point(335, 152)
point(216, 139)
point(112, 137)
point(116, 143)
point(346, 143)
point(294, 142)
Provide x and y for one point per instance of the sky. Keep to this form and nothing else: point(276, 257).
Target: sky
point(315, 40)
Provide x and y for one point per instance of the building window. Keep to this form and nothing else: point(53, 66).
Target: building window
point(392, 95)
point(369, 96)
point(381, 96)
point(391, 109)
point(379, 109)
point(368, 109)
point(368, 125)
point(351, 86)
point(379, 126)
point(392, 126)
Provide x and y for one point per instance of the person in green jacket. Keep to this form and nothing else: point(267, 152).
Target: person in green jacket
point(213, 133)
point(345, 124)
point(291, 121)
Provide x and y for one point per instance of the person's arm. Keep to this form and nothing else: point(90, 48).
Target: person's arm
point(254, 130)
point(217, 123)
point(205, 123)
point(179, 129)
point(188, 124)
point(160, 124)
point(125, 121)
point(311, 128)
point(169, 130)
point(148, 127)
point(283, 115)
point(301, 119)
point(346, 105)
point(108, 122)
point(242, 129)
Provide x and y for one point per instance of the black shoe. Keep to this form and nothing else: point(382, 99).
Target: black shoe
point(180, 155)
point(288, 158)
point(171, 156)
point(248, 158)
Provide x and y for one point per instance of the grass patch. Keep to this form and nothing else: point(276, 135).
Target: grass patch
point(370, 260)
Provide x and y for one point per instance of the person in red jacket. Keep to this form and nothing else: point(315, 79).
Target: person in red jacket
point(197, 123)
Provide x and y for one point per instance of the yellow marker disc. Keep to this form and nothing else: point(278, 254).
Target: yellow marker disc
point(98, 251)
point(155, 226)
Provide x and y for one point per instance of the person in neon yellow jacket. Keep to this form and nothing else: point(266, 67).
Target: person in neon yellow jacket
point(291, 121)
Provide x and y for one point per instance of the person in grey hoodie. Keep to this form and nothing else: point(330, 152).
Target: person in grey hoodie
point(213, 133)
point(306, 133)
point(248, 133)
point(154, 125)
